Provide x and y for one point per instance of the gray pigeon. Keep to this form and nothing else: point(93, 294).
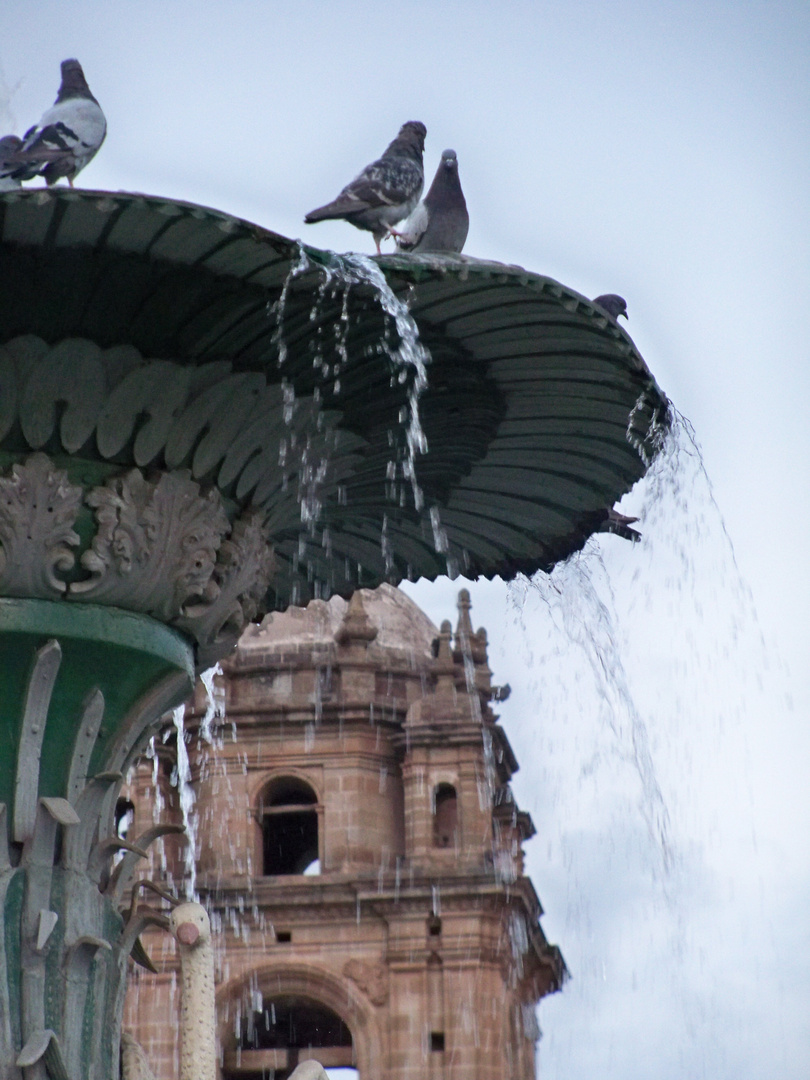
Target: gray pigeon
point(619, 524)
point(68, 135)
point(440, 221)
point(614, 305)
point(385, 191)
point(9, 145)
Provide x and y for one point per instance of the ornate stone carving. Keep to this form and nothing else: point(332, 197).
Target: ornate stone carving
point(162, 547)
point(38, 508)
point(371, 979)
point(232, 599)
point(156, 544)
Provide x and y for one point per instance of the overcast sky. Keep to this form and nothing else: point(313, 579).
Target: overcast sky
point(659, 150)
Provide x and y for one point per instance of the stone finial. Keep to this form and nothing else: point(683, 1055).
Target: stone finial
point(443, 664)
point(444, 655)
point(468, 643)
point(464, 628)
point(356, 625)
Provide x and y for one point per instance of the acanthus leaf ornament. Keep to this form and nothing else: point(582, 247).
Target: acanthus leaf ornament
point(162, 548)
point(38, 508)
point(156, 545)
point(241, 578)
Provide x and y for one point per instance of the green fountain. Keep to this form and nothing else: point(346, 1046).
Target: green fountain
point(200, 421)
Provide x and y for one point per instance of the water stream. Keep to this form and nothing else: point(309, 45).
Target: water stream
point(587, 607)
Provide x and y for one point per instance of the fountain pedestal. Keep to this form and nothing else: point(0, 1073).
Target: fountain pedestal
point(82, 688)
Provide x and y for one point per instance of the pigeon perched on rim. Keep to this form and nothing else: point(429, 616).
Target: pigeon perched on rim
point(612, 521)
point(69, 134)
point(385, 191)
point(440, 221)
point(9, 146)
point(614, 305)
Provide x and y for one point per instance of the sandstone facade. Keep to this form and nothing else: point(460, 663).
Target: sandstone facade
point(359, 851)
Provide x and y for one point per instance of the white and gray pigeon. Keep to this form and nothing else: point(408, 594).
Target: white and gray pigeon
point(69, 134)
point(440, 221)
point(9, 145)
point(385, 191)
point(614, 305)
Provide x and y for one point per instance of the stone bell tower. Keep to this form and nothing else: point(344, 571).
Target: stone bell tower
point(359, 849)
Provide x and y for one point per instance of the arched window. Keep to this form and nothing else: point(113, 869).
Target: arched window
point(445, 816)
point(287, 1031)
point(289, 817)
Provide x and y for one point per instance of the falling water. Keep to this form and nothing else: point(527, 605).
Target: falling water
point(279, 308)
point(643, 665)
point(181, 779)
point(577, 606)
point(409, 358)
point(215, 704)
point(307, 452)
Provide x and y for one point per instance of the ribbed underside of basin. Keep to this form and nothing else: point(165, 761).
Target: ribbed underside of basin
point(538, 413)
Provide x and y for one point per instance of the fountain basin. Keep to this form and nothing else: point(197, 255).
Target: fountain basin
point(227, 348)
point(201, 420)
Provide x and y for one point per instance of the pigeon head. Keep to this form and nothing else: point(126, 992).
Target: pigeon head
point(449, 160)
point(74, 83)
point(445, 191)
point(9, 144)
point(412, 136)
point(614, 305)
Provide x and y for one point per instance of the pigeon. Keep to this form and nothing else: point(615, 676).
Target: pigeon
point(68, 135)
point(619, 524)
point(614, 305)
point(9, 145)
point(440, 221)
point(386, 191)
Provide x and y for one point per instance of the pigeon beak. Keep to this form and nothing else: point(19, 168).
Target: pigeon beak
point(187, 933)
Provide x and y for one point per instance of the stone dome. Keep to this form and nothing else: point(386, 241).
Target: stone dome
point(399, 622)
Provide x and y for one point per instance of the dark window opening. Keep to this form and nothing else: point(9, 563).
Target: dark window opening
point(445, 816)
point(289, 828)
point(434, 926)
point(124, 816)
point(283, 937)
point(437, 1040)
point(294, 1030)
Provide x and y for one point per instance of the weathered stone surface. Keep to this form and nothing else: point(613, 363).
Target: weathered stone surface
point(161, 548)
